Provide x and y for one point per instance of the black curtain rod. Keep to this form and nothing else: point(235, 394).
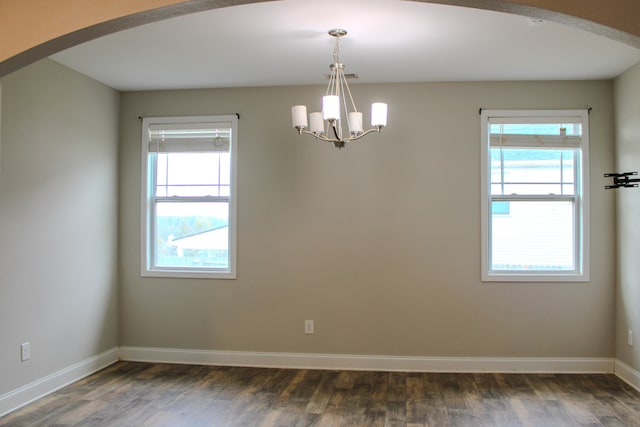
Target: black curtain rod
point(480, 110)
point(236, 114)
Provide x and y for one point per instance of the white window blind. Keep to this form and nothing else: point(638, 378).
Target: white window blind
point(189, 137)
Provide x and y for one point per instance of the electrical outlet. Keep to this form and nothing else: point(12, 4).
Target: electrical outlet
point(25, 351)
point(308, 327)
point(630, 337)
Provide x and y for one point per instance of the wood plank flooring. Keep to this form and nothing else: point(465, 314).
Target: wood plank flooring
point(145, 394)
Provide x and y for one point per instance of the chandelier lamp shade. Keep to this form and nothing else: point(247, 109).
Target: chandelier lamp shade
point(336, 104)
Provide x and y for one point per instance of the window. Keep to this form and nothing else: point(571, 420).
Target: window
point(188, 211)
point(534, 195)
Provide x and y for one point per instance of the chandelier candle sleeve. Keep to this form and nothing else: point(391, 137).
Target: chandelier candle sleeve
point(378, 114)
point(299, 116)
point(355, 123)
point(316, 122)
point(331, 107)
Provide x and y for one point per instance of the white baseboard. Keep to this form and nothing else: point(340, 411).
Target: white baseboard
point(368, 363)
point(17, 398)
point(627, 374)
point(28, 393)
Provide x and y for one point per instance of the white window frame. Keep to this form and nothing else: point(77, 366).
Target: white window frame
point(147, 269)
point(581, 202)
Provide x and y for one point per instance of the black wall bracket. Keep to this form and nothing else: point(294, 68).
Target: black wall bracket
point(622, 180)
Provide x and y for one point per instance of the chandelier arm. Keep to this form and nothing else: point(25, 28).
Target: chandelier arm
point(318, 136)
point(338, 140)
point(368, 131)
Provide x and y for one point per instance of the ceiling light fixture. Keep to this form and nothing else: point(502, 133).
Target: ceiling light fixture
point(330, 119)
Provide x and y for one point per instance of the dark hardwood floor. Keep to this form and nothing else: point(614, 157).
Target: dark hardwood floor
point(144, 394)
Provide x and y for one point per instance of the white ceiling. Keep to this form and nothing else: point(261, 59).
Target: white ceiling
point(286, 43)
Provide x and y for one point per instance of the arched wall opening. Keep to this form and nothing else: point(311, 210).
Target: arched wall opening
point(30, 30)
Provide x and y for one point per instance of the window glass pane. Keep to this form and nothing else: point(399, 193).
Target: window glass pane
point(496, 189)
point(495, 156)
point(192, 234)
point(532, 188)
point(501, 208)
point(225, 169)
point(531, 171)
point(533, 236)
point(193, 174)
point(568, 164)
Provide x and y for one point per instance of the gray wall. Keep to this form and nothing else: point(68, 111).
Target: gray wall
point(379, 243)
point(627, 125)
point(58, 222)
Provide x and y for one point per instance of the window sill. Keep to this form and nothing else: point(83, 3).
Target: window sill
point(189, 274)
point(510, 277)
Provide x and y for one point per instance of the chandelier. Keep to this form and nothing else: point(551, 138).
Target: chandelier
point(327, 125)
